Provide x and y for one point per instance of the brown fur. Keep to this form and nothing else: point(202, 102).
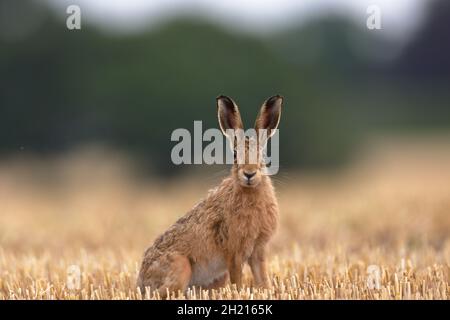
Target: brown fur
point(230, 227)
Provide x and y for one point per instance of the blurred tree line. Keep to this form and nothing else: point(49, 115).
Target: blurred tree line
point(61, 88)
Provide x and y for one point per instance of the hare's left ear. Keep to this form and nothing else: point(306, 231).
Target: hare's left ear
point(228, 115)
point(269, 115)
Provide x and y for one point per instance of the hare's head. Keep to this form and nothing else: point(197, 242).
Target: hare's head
point(248, 148)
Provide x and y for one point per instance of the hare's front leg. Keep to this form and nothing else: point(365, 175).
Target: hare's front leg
point(258, 266)
point(235, 270)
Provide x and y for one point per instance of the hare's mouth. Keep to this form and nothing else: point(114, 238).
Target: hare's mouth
point(249, 183)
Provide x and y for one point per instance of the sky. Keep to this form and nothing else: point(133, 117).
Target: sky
point(399, 17)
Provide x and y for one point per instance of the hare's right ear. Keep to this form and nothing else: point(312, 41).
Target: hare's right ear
point(228, 114)
point(269, 115)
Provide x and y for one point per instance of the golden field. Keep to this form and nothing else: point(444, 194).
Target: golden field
point(379, 229)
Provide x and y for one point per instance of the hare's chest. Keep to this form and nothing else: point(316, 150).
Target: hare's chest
point(249, 227)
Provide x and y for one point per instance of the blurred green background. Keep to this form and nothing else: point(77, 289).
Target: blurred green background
point(342, 82)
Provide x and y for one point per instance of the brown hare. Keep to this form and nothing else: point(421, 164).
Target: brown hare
point(230, 227)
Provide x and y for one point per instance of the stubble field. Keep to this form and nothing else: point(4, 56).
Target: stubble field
point(378, 230)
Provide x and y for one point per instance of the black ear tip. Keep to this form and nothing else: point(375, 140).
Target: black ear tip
point(222, 97)
point(274, 99)
point(227, 102)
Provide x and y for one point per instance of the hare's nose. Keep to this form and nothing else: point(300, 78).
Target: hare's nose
point(249, 175)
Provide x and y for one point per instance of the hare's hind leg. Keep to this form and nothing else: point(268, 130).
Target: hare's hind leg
point(178, 276)
point(172, 272)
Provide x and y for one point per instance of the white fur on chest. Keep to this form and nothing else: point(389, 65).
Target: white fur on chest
point(204, 273)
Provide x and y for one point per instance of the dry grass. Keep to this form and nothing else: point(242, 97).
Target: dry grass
point(87, 210)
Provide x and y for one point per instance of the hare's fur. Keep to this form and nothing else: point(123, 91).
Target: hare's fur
point(230, 227)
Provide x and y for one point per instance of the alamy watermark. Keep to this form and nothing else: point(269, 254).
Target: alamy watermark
point(373, 277)
point(73, 277)
point(241, 147)
point(373, 21)
point(73, 21)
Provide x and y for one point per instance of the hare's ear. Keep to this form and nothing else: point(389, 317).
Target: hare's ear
point(269, 115)
point(228, 114)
